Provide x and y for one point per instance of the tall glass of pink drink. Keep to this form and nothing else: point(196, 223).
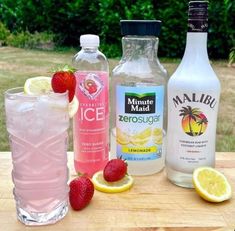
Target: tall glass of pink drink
point(37, 127)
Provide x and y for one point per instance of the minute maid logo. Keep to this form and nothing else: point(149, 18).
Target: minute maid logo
point(140, 103)
point(194, 122)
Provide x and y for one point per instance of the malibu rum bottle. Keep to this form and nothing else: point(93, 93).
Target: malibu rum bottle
point(193, 99)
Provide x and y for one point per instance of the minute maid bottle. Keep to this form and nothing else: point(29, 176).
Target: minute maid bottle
point(138, 88)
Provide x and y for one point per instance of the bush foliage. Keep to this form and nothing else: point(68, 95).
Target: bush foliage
point(4, 33)
point(69, 19)
point(25, 39)
point(42, 40)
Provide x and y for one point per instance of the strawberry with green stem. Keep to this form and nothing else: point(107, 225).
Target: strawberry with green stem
point(64, 80)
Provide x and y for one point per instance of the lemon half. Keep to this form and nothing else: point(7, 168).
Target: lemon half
point(37, 85)
point(211, 185)
point(111, 187)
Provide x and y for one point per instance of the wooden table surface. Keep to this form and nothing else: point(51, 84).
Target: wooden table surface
point(152, 204)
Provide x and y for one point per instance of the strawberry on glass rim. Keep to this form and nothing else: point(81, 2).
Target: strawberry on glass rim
point(64, 80)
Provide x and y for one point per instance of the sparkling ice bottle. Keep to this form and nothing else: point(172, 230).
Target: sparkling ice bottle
point(91, 122)
point(193, 99)
point(138, 100)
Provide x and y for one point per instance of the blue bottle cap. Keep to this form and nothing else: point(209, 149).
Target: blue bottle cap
point(141, 27)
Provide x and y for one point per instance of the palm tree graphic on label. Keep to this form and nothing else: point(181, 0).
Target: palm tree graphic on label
point(194, 122)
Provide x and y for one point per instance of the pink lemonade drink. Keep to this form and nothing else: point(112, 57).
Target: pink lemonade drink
point(37, 127)
point(91, 122)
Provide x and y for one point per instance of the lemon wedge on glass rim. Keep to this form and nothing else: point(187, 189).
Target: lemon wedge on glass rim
point(37, 85)
point(102, 185)
point(42, 85)
point(211, 184)
point(73, 107)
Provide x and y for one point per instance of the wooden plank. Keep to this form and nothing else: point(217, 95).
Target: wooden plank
point(152, 204)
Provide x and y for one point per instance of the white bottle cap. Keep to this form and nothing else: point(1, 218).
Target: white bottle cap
point(89, 40)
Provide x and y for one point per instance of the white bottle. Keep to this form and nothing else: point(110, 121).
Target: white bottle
point(193, 99)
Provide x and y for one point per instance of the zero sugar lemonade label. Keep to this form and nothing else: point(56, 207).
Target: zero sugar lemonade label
point(139, 122)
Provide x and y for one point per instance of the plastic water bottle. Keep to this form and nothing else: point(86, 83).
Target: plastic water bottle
point(91, 122)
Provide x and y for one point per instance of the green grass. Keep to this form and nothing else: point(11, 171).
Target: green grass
point(16, 65)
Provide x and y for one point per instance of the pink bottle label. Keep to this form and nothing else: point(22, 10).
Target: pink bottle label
point(91, 122)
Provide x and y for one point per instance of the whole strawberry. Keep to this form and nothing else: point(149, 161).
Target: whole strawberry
point(63, 80)
point(115, 170)
point(81, 192)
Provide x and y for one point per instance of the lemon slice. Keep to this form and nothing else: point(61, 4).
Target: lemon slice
point(122, 137)
point(37, 85)
point(157, 132)
point(141, 138)
point(73, 107)
point(144, 134)
point(211, 185)
point(139, 142)
point(111, 187)
point(158, 140)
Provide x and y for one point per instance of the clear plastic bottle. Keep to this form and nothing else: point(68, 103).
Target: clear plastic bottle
point(91, 122)
point(138, 109)
point(193, 99)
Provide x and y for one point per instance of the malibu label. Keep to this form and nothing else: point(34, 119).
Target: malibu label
point(196, 98)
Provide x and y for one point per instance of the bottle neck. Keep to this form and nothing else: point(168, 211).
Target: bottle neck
point(196, 48)
point(136, 47)
point(195, 54)
point(90, 49)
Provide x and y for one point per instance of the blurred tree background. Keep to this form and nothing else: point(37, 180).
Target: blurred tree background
point(27, 23)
